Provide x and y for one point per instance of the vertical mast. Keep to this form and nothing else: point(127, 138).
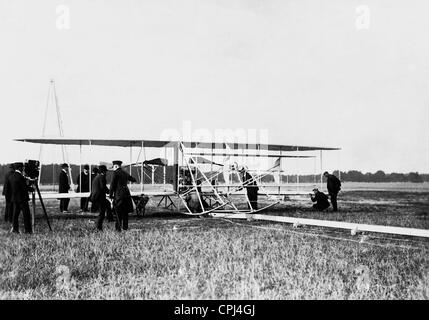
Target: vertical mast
point(53, 94)
point(44, 129)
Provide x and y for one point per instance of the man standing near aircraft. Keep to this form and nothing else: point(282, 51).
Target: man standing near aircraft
point(94, 173)
point(119, 192)
point(20, 198)
point(7, 192)
point(64, 187)
point(251, 187)
point(83, 186)
point(334, 186)
point(98, 195)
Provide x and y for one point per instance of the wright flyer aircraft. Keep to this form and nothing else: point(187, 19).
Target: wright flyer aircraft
point(196, 186)
point(201, 184)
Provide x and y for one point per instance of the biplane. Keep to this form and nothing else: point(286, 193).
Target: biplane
point(195, 177)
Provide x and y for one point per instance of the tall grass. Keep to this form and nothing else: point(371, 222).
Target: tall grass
point(174, 257)
point(203, 262)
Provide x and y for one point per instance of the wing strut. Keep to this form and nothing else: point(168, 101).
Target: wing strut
point(321, 170)
point(53, 94)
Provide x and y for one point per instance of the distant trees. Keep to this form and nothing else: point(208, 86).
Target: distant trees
point(353, 175)
point(381, 176)
point(357, 176)
point(397, 177)
point(50, 174)
point(415, 177)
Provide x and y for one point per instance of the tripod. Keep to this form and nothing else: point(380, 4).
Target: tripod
point(33, 197)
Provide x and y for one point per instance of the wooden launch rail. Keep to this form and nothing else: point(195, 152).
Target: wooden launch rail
point(354, 227)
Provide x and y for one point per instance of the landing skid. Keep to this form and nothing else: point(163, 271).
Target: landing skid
point(244, 211)
point(204, 212)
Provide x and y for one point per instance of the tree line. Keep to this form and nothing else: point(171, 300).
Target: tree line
point(357, 176)
point(50, 173)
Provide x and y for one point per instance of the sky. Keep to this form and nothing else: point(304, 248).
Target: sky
point(348, 74)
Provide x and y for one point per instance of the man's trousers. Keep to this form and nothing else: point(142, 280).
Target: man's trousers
point(17, 208)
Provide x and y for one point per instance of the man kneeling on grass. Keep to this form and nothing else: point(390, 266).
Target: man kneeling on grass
point(321, 200)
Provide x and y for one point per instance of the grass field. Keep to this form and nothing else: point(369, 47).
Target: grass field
point(169, 256)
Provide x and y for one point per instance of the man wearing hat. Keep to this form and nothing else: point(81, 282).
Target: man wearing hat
point(20, 198)
point(333, 185)
point(121, 195)
point(7, 192)
point(251, 188)
point(321, 200)
point(98, 195)
point(64, 187)
point(83, 186)
point(94, 173)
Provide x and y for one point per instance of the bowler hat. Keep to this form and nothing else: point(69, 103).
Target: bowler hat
point(64, 165)
point(117, 162)
point(102, 168)
point(86, 167)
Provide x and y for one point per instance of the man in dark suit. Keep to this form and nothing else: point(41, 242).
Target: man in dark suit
point(251, 187)
point(7, 192)
point(83, 186)
point(20, 198)
point(64, 187)
point(321, 200)
point(334, 186)
point(98, 195)
point(95, 171)
point(119, 192)
point(94, 207)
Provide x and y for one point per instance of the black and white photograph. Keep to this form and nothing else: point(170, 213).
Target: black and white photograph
point(214, 154)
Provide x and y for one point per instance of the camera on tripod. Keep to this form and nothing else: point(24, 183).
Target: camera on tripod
point(32, 169)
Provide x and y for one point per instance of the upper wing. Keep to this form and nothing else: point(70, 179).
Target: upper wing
point(165, 143)
point(101, 142)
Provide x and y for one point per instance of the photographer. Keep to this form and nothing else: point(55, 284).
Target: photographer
point(20, 198)
point(7, 192)
point(321, 200)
